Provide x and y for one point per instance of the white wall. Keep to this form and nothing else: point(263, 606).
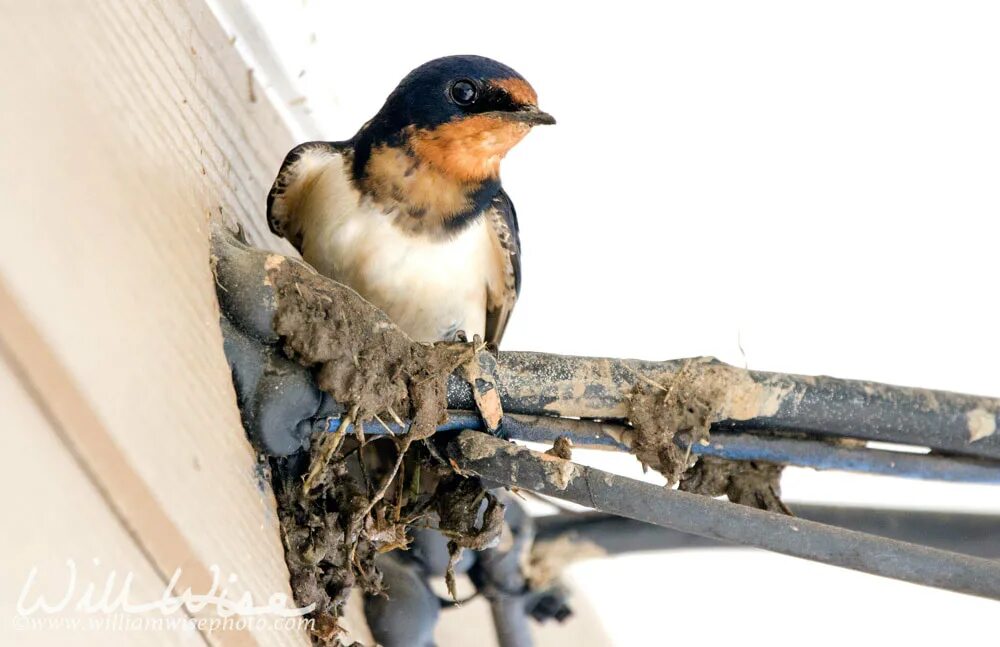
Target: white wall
point(814, 182)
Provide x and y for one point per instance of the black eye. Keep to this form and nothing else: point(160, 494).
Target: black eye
point(464, 92)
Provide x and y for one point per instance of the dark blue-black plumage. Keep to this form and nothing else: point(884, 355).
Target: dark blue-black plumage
point(421, 100)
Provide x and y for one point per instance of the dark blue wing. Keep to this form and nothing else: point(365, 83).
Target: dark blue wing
point(287, 188)
point(501, 299)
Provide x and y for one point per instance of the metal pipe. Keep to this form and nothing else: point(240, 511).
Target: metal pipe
point(733, 446)
point(971, 534)
point(498, 575)
point(600, 388)
point(506, 463)
point(510, 620)
point(826, 456)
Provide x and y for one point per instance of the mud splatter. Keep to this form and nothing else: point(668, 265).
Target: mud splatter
point(361, 358)
point(981, 423)
point(681, 406)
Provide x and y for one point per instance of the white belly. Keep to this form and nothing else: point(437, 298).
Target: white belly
point(430, 288)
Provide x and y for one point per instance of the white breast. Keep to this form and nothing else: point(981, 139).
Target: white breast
point(430, 288)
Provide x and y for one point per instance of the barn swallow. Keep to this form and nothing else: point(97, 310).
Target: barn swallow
point(410, 212)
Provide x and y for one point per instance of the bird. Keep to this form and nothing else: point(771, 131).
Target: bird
point(410, 212)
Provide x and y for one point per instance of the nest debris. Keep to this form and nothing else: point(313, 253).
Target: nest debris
point(751, 483)
point(348, 499)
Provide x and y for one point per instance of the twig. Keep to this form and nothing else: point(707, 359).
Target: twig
point(384, 426)
point(329, 447)
point(401, 448)
point(363, 468)
point(396, 418)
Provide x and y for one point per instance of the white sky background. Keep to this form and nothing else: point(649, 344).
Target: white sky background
point(817, 182)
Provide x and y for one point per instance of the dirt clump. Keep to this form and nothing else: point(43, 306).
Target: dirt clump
point(675, 411)
point(466, 521)
point(751, 483)
point(320, 532)
point(562, 448)
point(678, 406)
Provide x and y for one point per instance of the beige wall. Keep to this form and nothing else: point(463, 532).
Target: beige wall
point(125, 126)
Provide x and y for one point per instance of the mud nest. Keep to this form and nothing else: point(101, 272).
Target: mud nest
point(346, 500)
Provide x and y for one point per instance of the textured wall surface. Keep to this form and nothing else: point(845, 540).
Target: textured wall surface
point(126, 126)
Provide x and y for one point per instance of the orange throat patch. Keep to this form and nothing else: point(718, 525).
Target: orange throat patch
point(430, 181)
point(420, 198)
point(469, 149)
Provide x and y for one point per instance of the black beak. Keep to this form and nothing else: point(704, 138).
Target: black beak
point(530, 115)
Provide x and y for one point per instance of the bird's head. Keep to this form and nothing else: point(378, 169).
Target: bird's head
point(452, 119)
point(460, 114)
